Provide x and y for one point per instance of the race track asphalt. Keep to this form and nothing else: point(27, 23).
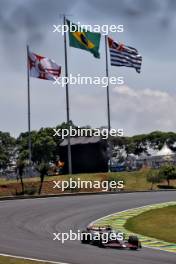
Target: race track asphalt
point(27, 226)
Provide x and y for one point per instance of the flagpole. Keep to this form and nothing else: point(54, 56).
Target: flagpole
point(108, 100)
point(29, 111)
point(67, 102)
point(107, 88)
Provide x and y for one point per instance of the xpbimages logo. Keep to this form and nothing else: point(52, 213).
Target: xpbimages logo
point(87, 132)
point(72, 236)
point(80, 184)
point(103, 29)
point(88, 80)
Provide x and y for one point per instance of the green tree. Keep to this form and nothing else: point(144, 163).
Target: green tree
point(20, 168)
point(44, 146)
point(153, 176)
point(168, 172)
point(22, 144)
point(42, 168)
point(7, 145)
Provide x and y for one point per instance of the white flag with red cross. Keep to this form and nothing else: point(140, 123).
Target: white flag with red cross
point(42, 67)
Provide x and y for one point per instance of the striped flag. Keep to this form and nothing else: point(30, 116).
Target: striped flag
point(122, 55)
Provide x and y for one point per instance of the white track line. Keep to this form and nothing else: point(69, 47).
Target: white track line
point(32, 259)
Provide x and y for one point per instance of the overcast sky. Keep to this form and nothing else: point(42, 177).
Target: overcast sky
point(146, 102)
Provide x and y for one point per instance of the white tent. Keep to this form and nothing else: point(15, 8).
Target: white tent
point(165, 151)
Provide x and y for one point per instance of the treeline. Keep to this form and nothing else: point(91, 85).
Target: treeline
point(140, 143)
point(45, 147)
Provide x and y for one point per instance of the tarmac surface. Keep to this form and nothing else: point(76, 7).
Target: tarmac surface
point(27, 227)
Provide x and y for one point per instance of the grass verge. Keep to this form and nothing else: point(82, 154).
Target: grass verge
point(10, 260)
point(157, 223)
point(133, 181)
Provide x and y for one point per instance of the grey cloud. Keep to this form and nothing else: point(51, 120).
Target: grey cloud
point(136, 9)
point(29, 17)
point(145, 21)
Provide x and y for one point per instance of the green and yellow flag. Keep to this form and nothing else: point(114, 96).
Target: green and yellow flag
point(83, 39)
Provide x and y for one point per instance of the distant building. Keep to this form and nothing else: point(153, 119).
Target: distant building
point(89, 154)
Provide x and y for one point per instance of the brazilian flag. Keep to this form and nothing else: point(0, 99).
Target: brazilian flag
point(85, 40)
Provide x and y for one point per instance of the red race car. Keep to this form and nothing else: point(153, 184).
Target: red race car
point(107, 237)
